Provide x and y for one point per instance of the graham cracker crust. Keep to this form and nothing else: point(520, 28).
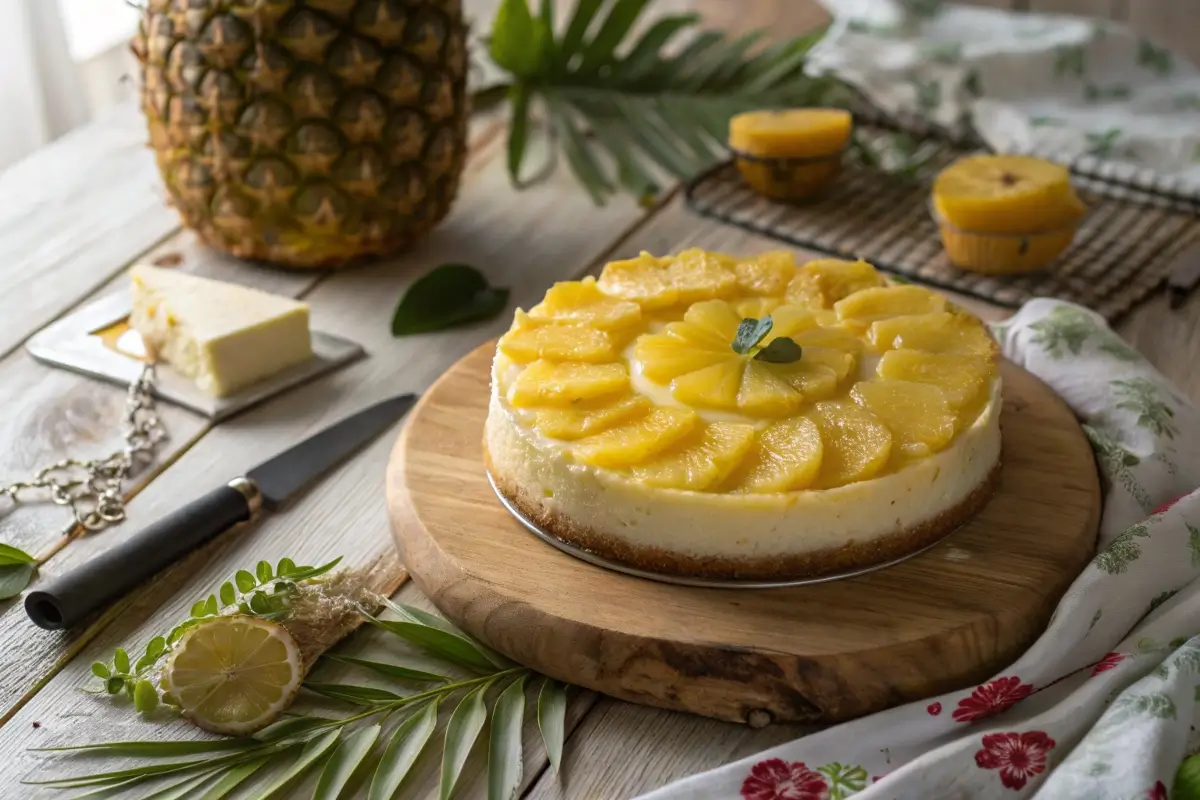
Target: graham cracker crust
point(775, 567)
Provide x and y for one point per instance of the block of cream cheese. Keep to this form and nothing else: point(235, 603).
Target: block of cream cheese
point(223, 336)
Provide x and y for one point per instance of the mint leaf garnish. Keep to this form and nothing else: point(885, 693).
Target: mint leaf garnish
point(749, 333)
point(780, 351)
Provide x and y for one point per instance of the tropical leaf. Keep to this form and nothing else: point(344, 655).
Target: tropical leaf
point(461, 733)
point(406, 745)
point(455, 649)
point(344, 761)
point(505, 760)
point(359, 695)
point(623, 107)
point(390, 670)
point(232, 779)
point(308, 758)
point(552, 718)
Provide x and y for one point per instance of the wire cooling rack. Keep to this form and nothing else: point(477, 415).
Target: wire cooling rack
point(1137, 226)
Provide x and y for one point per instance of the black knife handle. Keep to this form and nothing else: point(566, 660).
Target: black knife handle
point(72, 597)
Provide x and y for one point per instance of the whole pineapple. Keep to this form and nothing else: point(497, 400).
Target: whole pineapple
point(306, 132)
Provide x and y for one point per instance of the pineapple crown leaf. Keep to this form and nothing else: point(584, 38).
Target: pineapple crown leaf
point(625, 109)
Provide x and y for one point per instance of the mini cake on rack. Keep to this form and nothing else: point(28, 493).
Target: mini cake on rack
point(709, 416)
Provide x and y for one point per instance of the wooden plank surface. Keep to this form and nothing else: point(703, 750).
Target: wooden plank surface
point(75, 245)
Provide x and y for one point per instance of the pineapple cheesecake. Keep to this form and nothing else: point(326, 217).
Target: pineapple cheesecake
point(707, 416)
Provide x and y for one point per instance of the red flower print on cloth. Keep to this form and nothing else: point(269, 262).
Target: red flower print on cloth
point(934, 709)
point(1018, 756)
point(1109, 661)
point(1159, 792)
point(991, 698)
point(1165, 506)
point(776, 779)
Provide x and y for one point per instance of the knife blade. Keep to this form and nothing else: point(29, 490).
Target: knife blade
point(73, 596)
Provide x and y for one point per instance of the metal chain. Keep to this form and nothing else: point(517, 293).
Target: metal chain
point(92, 488)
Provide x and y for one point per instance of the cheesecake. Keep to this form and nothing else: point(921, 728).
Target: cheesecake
point(703, 415)
point(223, 336)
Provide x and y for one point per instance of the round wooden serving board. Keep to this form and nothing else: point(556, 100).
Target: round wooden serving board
point(945, 619)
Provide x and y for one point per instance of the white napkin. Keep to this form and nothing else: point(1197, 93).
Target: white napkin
point(1106, 702)
point(1058, 86)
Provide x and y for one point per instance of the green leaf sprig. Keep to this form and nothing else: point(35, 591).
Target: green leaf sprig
point(387, 729)
point(265, 593)
point(16, 570)
point(449, 295)
point(751, 332)
point(624, 109)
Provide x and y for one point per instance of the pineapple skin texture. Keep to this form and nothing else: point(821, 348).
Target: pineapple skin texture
point(306, 134)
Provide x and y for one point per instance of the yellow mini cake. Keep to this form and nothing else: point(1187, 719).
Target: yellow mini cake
point(704, 415)
point(1001, 214)
point(791, 154)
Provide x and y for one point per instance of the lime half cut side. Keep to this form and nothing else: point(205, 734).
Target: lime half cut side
point(234, 675)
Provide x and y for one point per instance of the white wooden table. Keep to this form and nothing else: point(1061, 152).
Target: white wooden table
point(72, 219)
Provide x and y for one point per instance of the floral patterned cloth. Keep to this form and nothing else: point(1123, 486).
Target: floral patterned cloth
point(1054, 85)
point(1107, 701)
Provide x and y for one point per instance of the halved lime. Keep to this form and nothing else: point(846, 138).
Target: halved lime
point(235, 674)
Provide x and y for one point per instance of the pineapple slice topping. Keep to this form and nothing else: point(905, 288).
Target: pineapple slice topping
point(549, 383)
point(917, 414)
point(701, 460)
point(767, 274)
point(637, 440)
point(821, 283)
point(581, 301)
point(652, 283)
point(961, 378)
point(588, 418)
point(857, 444)
point(529, 340)
point(863, 308)
point(938, 332)
point(786, 457)
point(694, 404)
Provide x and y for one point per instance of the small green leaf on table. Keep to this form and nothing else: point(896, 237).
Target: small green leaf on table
point(452, 294)
point(310, 755)
point(16, 570)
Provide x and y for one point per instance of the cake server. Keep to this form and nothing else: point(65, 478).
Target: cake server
point(71, 597)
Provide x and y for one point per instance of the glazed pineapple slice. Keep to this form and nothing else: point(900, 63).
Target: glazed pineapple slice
point(821, 283)
point(830, 337)
point(917, 414)
point(529, 340)
point(961, 378)
point(941, 332)
point(552, 383)
point(583, 302)
point(856, 444)
point(864, 307)
point(701, 460)
point(663, 357)
point(653, 283)
point(766, 274)
point(840, 361)
point(789, 320)
point(712, 387)
point(637, 439)
point(813, 380)
point(786, 457)
point(587, 419)
point(764, 392)
point(714, 317)
point(756, 307)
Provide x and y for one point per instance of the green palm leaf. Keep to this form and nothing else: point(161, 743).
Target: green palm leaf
point(622, 112)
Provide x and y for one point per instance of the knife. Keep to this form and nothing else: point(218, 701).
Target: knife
point(72, 597)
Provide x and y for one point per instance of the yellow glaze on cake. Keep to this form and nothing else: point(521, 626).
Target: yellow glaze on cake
point(623, 419)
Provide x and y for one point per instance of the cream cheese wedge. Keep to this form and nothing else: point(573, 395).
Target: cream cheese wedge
point(223, 336)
